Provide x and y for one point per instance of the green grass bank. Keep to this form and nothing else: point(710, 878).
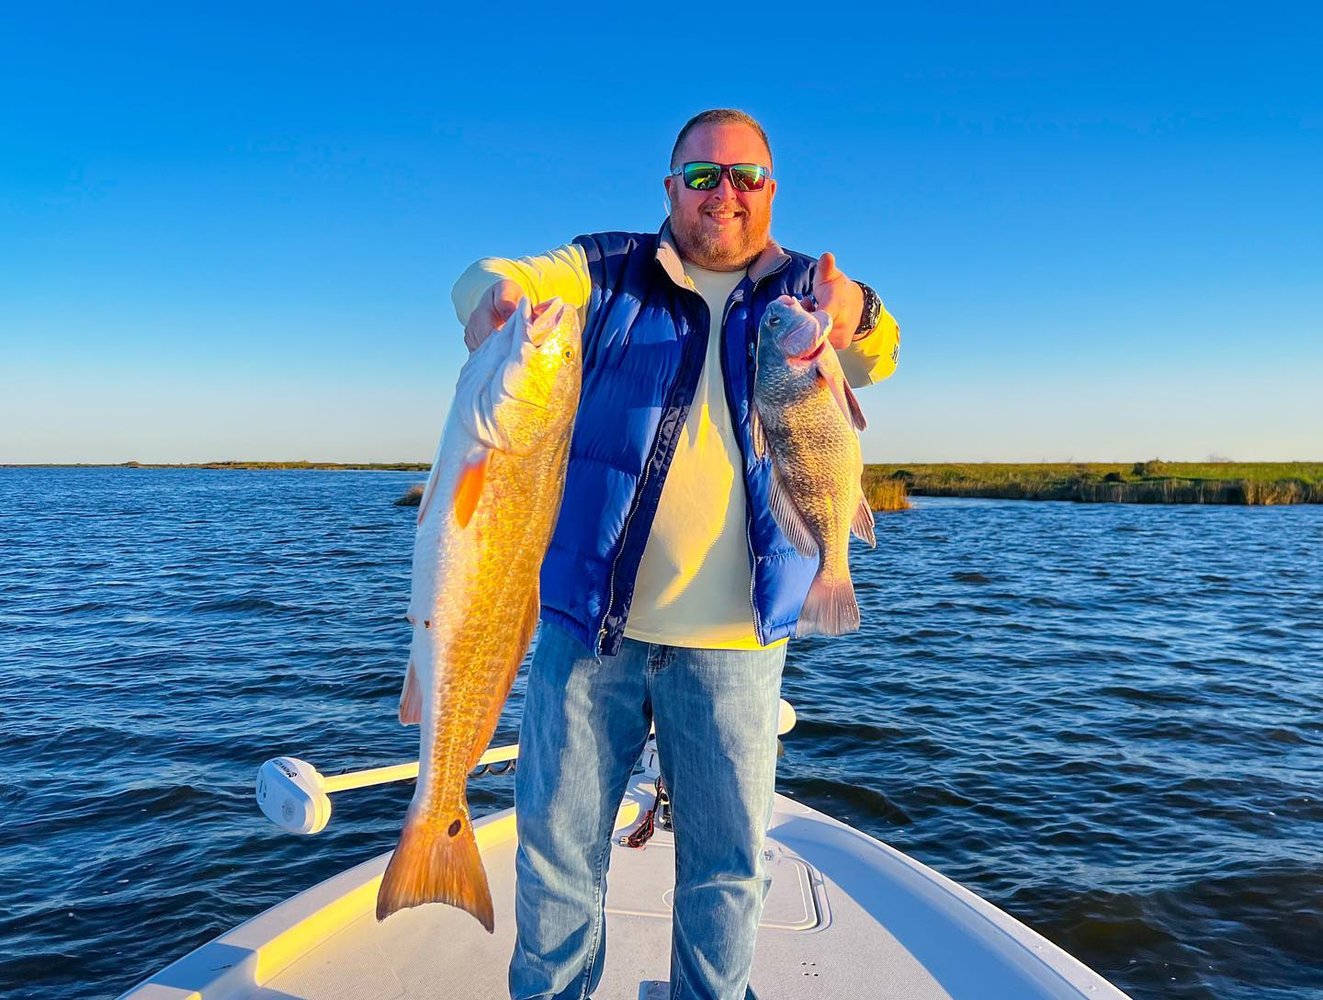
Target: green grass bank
point(1155, 481)
point(888, 485)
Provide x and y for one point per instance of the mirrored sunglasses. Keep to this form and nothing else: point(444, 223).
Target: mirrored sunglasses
point(703, 176)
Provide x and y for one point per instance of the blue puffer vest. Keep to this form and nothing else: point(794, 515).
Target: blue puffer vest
point(643, 350)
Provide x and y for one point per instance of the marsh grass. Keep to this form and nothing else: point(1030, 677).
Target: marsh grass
point(334, 466)
point(1154, 481)
point(885, 494)
point(411, 497)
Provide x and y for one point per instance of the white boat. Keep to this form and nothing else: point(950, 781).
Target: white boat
point(846, 916)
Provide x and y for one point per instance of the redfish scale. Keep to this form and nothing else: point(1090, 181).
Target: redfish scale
point(482, 618)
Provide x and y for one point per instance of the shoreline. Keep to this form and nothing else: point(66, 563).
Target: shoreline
point(233, 466)
point(888, 484)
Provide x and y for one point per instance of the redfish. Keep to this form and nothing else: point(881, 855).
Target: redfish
point(807, 419)
point(484, 522)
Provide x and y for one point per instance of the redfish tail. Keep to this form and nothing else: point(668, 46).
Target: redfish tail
point(830, 607)
point(431, 865)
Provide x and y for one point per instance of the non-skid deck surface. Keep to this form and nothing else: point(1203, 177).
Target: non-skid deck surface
point(815, 942)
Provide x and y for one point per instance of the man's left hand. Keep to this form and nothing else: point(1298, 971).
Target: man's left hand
point(840, 298)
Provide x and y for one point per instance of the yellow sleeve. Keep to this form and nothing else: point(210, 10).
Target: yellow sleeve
point(874, 357)
point(562, 273)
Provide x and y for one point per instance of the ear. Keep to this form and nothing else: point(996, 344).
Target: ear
point(771, 190)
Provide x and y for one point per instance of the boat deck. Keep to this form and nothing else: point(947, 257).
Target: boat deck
point(846, 917)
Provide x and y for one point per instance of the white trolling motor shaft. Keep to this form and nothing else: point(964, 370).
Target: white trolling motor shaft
point(296, 797)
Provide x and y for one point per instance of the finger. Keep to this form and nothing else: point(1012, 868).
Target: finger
point(826, 268)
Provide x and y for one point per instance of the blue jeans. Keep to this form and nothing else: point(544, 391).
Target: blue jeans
point(585, 722)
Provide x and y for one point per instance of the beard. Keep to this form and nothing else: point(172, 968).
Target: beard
point(716, 251)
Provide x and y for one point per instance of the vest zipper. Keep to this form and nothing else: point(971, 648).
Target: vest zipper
point(624, 537)
point(629, 519)
point(736, 297)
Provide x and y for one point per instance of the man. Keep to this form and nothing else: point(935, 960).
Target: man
point(668, 591)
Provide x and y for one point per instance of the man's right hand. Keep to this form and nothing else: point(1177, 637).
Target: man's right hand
point(497, 305)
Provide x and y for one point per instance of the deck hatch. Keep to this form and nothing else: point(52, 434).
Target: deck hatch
point(791, 905)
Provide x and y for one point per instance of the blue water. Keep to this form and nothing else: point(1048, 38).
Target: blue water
point(1106, 719)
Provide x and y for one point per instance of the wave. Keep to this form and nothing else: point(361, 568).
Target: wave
point(228, 604)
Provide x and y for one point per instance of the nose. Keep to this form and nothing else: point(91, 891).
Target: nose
point(724, 181)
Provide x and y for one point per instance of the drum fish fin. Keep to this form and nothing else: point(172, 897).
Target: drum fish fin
point(757, 432)
point(830, 607)
point(788, 517)
point(845, 399)
point(862, 527)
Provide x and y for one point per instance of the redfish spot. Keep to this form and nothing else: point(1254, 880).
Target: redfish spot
point(454, 828)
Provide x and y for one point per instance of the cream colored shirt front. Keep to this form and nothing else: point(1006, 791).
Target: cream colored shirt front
point(693, 584)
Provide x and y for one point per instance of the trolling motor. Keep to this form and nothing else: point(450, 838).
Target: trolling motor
point(296, 796)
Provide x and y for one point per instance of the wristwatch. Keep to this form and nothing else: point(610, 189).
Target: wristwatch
point(871, 314)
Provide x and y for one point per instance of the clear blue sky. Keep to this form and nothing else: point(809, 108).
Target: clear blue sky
point(231, 231)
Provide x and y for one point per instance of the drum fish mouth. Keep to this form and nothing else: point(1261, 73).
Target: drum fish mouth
point(813, 354)
point(801, 335)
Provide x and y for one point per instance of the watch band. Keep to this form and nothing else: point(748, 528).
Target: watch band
point(872, 312)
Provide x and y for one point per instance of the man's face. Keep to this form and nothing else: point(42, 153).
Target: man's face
point(722, 229)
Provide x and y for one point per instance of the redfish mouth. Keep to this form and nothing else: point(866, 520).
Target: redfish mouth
point(529, 403)
point(543, 318)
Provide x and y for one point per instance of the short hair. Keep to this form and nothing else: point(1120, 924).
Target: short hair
point(718, 116)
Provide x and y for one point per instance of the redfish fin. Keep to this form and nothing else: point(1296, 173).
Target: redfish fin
point(411, 699)
point(469, 488)
point(788, 517)
point(425, 500)
point(862, 527)
point(829, 608)
point(845, 399)
point(430, 866)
